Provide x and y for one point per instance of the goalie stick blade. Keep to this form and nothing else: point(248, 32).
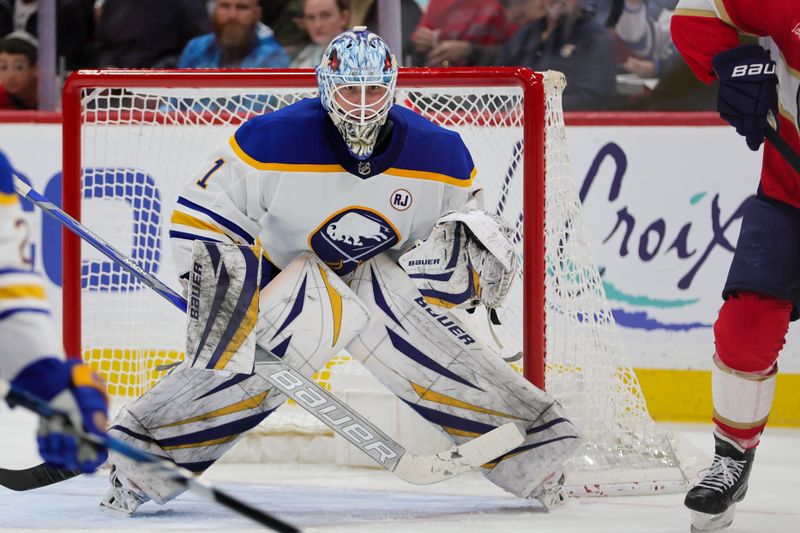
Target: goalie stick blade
point(427, 469)
point(34, 477)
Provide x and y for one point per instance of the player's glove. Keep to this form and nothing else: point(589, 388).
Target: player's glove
point(747, 90)
point(468, 260)
point(74, 388)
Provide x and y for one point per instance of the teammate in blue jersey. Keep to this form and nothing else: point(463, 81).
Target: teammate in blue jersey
point(358, 208)
point(30, 356)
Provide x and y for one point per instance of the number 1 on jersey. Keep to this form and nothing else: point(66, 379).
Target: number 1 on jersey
point(203, 182)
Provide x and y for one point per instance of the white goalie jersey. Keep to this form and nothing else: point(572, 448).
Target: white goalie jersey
point(285, 181)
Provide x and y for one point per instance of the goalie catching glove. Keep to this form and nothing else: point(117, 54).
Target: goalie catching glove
point(468, 259)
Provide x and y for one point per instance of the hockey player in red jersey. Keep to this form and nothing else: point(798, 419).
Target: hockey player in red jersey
point(758, 86)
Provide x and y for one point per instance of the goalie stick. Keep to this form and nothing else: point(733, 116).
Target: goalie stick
point(174, 472)
point(389, 454)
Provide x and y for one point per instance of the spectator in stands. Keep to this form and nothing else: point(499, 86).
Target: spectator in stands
point(285, 17)
point(25, 18)
point(678, 90)
point(19, 74)
point(6, 17)
point(488, 54)
point(74, 27)
point(608, 12)
point(323, 20)
point(450, 29)
point(561, 36)
point(646, 38)
point(147, 33)
point(239, 40)
point(642, 28)
point(365, 13)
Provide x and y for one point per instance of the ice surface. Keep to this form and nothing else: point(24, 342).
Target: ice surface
point(336, 499)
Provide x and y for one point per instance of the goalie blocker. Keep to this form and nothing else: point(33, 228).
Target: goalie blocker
point(423, 355)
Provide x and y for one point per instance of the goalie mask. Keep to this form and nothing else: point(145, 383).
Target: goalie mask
point(356, 81)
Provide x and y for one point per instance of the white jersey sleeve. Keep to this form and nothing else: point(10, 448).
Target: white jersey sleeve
point(220, 204)
point(26, 329)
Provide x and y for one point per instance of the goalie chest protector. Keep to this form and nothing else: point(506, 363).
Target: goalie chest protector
point(314, 196)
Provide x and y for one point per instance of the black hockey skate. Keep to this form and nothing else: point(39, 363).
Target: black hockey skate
point(713, 500)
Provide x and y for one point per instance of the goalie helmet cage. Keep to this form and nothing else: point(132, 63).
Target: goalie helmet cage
point(133, 138)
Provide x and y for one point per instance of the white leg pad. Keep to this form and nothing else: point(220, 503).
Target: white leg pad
point(427, 358)
point(308, 314)
point(223, 306)
point(194, 415)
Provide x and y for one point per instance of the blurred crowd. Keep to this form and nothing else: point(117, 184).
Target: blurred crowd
point(616, 54)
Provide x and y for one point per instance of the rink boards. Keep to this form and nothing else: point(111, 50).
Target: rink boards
point(659, 201)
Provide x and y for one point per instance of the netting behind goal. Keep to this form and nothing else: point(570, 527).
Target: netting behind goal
point(133, 139)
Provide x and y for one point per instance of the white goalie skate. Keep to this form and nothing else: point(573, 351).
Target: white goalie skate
point(123, 496)
point(551, 492)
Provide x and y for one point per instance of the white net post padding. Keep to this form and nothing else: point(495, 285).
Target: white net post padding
point(138, 146)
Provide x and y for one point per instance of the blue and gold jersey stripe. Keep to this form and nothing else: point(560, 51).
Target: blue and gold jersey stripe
point(335, 167)
point(432, 176)
point(184, 219)
point(8, 198)
point(236, 232)
point(281, 167)
point(17, 292)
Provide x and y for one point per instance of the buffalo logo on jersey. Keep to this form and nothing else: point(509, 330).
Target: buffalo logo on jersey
point(352, 236)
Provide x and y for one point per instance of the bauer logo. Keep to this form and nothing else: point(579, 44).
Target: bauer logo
point(352, 236)
point(753, 70)
point(194, 300)
point(423, 262)
point(401, 199)
point(447, 322)
point(336, 416)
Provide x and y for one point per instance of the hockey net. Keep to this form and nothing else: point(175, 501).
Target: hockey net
point(131, 140)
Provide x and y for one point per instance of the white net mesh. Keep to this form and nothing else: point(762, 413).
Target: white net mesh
point(140, 145)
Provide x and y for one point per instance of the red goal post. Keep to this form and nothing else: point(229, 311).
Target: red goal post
point(530, 83)
point(132, 138)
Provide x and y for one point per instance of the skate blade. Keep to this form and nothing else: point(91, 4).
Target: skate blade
point(712, 522)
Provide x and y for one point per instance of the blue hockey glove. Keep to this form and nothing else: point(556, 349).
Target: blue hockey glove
point(75, 389)
point(747, 90)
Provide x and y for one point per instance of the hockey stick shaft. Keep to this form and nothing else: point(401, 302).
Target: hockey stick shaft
point(100, 244)
point(783, 148)
point(315, 399)
point(174, 472)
